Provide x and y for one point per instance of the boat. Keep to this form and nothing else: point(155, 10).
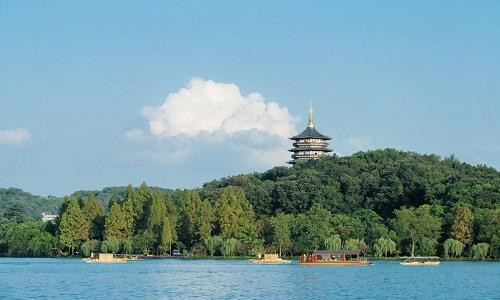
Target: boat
point(334, 258)
point(421, 261)
point(270, 259)
point(109, 258)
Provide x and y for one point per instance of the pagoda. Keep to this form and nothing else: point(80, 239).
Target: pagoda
point(309, 144)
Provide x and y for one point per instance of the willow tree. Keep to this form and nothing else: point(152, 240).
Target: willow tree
point(480, 251)
point(229, 246)
point(453, 248)
point(333, 242)
point(384, 246)
point(213, 243)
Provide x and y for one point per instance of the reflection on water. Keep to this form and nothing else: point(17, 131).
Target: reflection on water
point(181, 279)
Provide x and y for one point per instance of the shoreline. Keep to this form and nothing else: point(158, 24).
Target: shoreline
point(234, 258)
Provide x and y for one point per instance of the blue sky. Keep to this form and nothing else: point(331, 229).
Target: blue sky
point(81, 84)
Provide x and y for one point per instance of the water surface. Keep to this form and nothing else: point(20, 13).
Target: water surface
point(28, 278)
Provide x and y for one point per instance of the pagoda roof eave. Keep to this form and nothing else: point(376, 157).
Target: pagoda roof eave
point(310, 133)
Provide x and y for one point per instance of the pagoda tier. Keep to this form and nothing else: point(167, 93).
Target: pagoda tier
point(309, 144)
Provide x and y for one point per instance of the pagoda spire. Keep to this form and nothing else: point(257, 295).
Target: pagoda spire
point(310, 124)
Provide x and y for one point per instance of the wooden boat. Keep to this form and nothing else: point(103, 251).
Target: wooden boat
point(421, 261)
point(270, 259)
point(109, 258)
point(341, 258)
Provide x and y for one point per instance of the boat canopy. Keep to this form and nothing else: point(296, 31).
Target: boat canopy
point(336, 252)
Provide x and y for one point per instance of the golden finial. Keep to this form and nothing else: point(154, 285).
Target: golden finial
point(310, 124)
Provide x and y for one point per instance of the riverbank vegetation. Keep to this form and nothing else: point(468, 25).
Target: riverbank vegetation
point(384, 203)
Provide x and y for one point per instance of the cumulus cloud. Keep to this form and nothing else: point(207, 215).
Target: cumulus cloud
point(358, 143)
point(215, 122)
point(208, 106)
point(16, 136)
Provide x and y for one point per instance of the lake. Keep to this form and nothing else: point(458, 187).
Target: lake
point(23, 278)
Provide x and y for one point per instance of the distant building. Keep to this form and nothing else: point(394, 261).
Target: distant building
point(48, 217)
point(309, 144)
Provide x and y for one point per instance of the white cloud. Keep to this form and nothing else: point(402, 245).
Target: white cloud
point(135, 134)
point(209, 106)
point(14, 136)
point(213, 123)
point(359, 143)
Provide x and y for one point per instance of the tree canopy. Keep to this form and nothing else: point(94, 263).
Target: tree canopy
point(383, 202)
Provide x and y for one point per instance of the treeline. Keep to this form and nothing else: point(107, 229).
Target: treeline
point(383, 202)
point(25, 204)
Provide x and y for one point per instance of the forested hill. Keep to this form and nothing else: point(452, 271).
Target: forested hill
point(382, 202)
point(30, 206)
point(381, 180)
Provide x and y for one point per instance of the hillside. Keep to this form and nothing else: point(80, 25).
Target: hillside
point(31, 205)
point(381, 180)
point(379, 202)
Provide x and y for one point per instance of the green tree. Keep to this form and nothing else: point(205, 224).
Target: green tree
point(113, 199)
point(89, 247)
point(117, 225)
point(74, 227)
point(235, 214)
point(128, 246)
point(189, 207)
point(140, 201)
point(462, 225)
point(333, 242)
point(319, 225)
point(110, 245)
point(168, 236)
point(26, 239)
point(355, 244)
point(427, 246)
point(229, 246)
point(156, 212)
point(480, 251)
point(488, 229)
point(281, 231)
point(452, 248)
point(143, 242)
point(213, 243)
point(347, 227)
point(15, 213)
point(384, 246)
point(416, 224)
point(42, 244)
point(204, 221)
point(94, 213)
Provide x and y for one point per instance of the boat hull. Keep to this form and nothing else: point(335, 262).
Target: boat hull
point(262, 262)
point(338, 264)
point(96, 261)
point(418, 264)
